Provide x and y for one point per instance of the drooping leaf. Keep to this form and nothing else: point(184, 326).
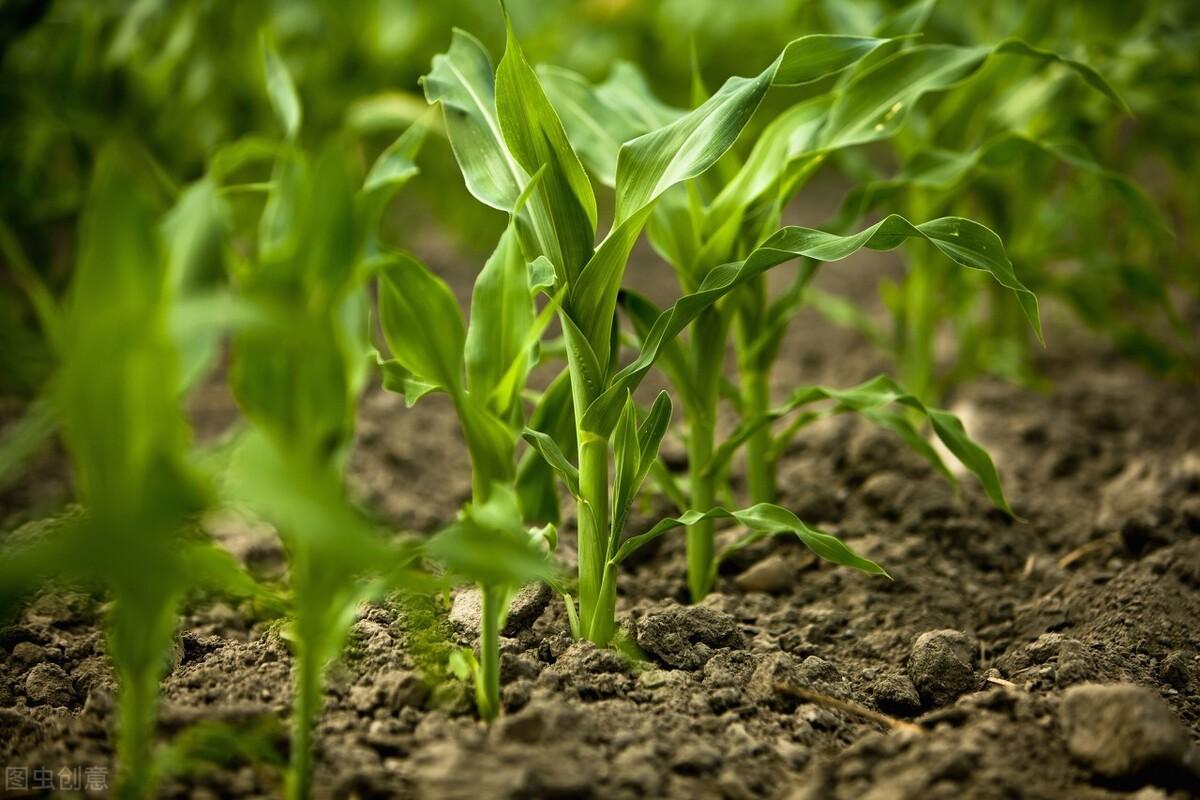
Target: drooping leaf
point(871, 399)
point(876, 103)
point(967, 243)
point(763, 519)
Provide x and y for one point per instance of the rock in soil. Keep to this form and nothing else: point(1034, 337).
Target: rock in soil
point(942, 666)
point(686, 637)
point(467, 611)
point(772, 575)
point(1123, 731)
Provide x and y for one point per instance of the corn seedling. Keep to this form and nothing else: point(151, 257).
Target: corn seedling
point(116, 399)
point(1007, 143)
point(483, 368)
point(504, 129)
point(728, 214)
point(298, 374)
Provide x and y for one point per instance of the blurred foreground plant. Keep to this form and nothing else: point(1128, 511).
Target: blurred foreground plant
point(116, 396)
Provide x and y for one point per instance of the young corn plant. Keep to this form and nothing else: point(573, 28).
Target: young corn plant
point(504, 130)
point(116, 398)
point(728, 214)
point(483, 368)
point(1008, 143)
point(297, 373)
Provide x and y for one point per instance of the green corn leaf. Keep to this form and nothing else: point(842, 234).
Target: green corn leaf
point(763, 519)
point(537, 140)
point(554, 414)
point(793, 131)
point(876, 103)
point(627, 454)
point(672, 360)
point(282, 221)
point(583, 361)
point(967, 243)
point(871, 400)
point(652, 163)
point(548, 449)
point(285, 102)
point(811, 58)
point(599, 119)
point(398, 380)
point(462, 81)
point(490, 441)
point(24, 438)
point(421, 322)
point(944, 170)
point(397, 164)
point(502, 315)
point(490, 546)
point(634, 466)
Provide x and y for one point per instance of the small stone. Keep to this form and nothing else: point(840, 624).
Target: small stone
point(526, 607)
point(1125, 731)
point(896, 694)
point(774, 671)
point(941, 666)
point(686, 637)
point(466, 611)
point(48, 684)
point(772, 575)
point(694, 758)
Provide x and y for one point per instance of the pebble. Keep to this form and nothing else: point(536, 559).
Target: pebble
point(941, 666)
point(467, 610)
point(772, 575)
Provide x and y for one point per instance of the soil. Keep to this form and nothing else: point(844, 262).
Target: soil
point(989, 639)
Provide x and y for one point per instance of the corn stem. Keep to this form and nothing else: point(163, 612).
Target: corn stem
point(700, 537)
point(487, 682)
point(760, 463)
point(597, 603)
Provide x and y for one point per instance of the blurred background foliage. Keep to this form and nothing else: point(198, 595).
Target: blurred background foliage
point(183, 77)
